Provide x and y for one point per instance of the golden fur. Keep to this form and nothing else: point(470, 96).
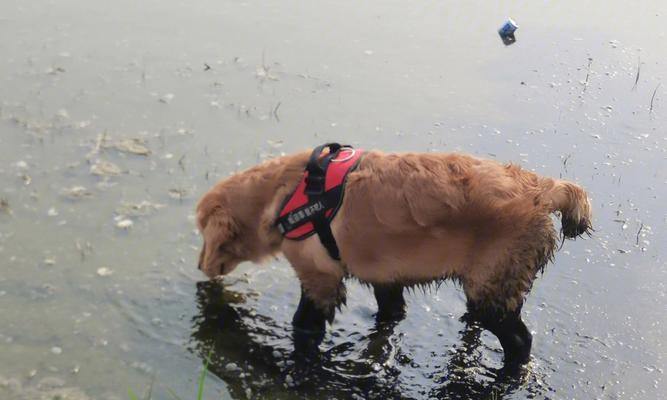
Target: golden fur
point(405, 219)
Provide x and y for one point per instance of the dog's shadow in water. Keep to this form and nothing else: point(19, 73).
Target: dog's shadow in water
point(255, 357)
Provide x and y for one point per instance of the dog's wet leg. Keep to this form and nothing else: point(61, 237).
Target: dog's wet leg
point(309, 324)
point(512, 333)
point(390, 301)
point(311, 316)
point(308, 316)
point(322, 291)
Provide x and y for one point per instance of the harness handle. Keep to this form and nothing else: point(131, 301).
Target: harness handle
point(317, 171)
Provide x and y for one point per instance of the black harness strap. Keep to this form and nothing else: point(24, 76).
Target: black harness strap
point(316, 194)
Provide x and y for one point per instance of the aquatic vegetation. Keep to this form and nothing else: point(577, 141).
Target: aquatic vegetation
point(201, 380)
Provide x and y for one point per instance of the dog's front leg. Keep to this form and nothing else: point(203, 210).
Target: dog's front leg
point(310, 319)
point(318, 303)
point(321, 294)
point(322, 291)
point(322, 288)
point(390, 301)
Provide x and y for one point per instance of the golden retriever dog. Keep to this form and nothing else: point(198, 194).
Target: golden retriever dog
point(405, 219)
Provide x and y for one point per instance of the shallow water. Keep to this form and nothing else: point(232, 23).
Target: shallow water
point(215, 86)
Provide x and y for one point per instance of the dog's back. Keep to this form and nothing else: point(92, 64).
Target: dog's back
point(429, 216)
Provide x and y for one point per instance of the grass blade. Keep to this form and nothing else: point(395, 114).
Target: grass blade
point(202, 377)
point(173, 395)
point(653, 97)
point(149, 395)
point(131, 394)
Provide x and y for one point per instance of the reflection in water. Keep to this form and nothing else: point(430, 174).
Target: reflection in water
point(465, 377)
point(508, 39)
point(255, 356)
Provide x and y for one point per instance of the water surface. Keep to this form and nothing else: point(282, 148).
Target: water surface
point(208, 88)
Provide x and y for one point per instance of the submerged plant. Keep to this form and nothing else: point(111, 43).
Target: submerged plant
point(200, 385)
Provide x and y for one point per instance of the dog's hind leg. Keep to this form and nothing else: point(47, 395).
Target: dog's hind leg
point(390, 301)
point(496, 291)
point(513, 334)
point(503, 319)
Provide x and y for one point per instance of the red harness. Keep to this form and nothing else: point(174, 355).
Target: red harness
point(316, 200)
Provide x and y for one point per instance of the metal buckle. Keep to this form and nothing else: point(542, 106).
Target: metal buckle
point(342, 149)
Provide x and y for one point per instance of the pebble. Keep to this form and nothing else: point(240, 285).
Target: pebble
point(105, 168)
point(133, 145)
point(56, 350)
point(141, 366)
point(125, 224)
point(167, 98)
point(104, 271)
point(62, 113)
point(21, 164)
point(76, 192)
point(231, 367)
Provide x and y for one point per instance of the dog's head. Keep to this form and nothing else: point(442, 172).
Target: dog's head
point(236, 217)
point(222, 250)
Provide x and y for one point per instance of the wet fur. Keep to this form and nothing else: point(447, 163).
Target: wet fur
point(406, 219)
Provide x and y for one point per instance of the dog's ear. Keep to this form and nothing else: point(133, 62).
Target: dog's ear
point(220, 228)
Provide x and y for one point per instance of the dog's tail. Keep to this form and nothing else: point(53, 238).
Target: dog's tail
point(575, 207)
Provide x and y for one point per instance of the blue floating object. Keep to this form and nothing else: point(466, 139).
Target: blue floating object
point(508, 28)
